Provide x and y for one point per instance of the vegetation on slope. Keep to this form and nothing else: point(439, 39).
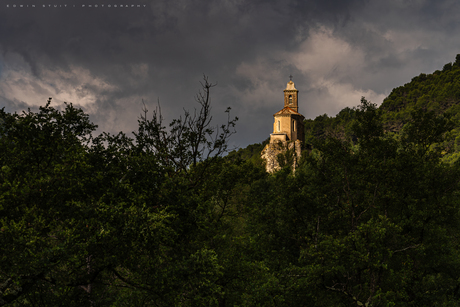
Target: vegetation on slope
point(249, 153)
point(162, 219)
point(437, 93)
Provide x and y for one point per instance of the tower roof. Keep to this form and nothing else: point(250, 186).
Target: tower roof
point(290, 86)
point(287, 111)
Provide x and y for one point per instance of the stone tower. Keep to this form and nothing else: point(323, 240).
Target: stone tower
point(288, 131)
point(291, 95)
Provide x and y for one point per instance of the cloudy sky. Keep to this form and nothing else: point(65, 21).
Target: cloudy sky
point(109, 59)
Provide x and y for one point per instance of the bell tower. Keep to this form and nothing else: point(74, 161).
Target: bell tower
point(291, 95)
point(287, 131)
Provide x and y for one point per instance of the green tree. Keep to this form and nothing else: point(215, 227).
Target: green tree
point(371, 224)
point(109, 220)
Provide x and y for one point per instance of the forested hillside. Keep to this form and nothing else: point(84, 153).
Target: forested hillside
point(165, 218)
point(438, 93)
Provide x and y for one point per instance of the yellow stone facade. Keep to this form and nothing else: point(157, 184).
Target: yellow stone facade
point(291, 96)
point(288, 121)
point(288, 130)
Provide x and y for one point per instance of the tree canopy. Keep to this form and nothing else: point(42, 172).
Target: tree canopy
point(164, 218)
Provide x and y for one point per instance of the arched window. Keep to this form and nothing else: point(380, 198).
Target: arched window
point(279, 126)
point(293, 125)
point(290, 99)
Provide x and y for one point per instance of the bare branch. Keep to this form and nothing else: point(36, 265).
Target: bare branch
point(406, 248)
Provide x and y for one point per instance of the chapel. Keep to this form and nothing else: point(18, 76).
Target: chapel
point(288, 125)
point(288, 131)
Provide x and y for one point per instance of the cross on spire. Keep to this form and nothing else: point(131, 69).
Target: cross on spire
point(290, 77)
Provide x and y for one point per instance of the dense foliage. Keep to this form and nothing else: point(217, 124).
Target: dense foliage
point(369, 218)
point(249, 153)
point(437, 92)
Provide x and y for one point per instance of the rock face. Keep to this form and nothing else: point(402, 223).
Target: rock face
point(280, 153)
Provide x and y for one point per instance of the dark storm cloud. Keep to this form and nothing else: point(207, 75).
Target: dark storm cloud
point(108, 60)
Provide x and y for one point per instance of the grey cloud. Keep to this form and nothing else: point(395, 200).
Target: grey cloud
point(109, 60)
